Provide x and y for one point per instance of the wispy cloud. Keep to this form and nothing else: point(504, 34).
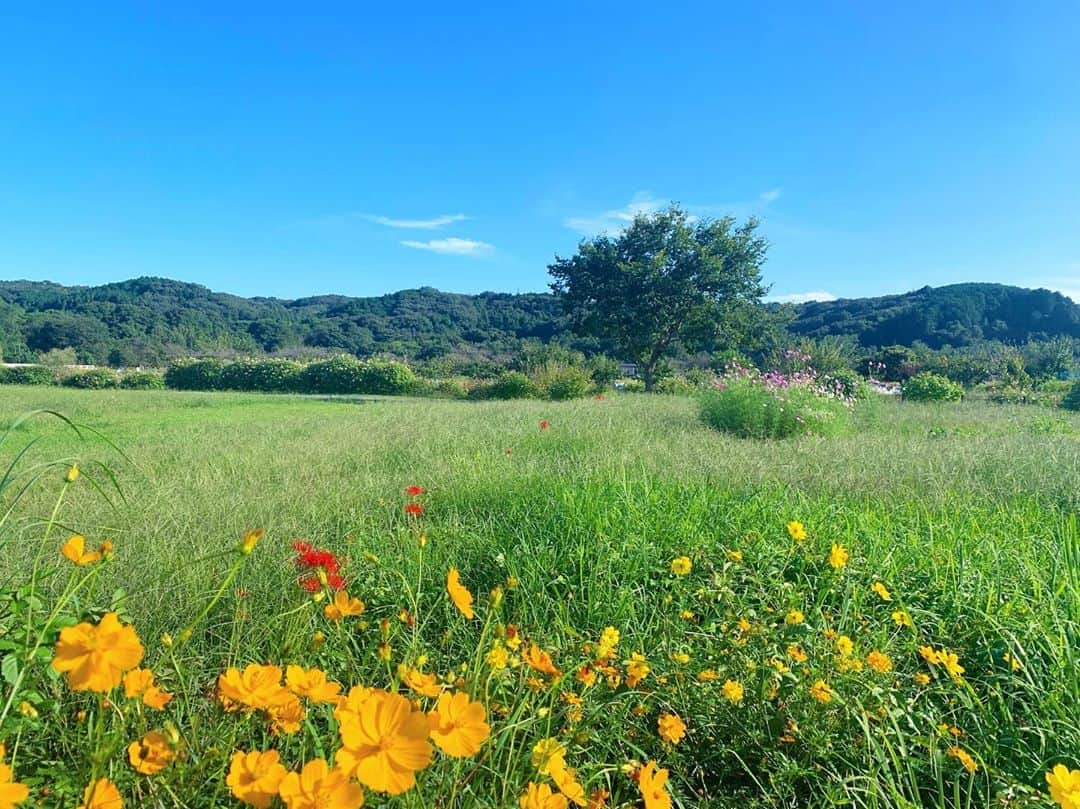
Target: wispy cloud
point(803, 297)
point(772, 195)
point(434, 223)
point(452, 246)
point(645, 202)
point(1068, 285)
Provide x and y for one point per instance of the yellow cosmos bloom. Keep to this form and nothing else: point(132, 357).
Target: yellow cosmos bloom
point(682, 658)
point(311, 684)
point(637, 669)
point(882, 591)
point(734, 556)
point(459, 593)
point(733, 691)
point(539, 660)
point(540, 796)
point(255, 688)
point(964, 757)
point(96, 657)
point(319, 787)
point(426, 685)
point(343, 606)
point(838, 557)
point(384, 742)
point(901, 618)
point(609, 640)
point(72, 474)
point(796, 653)
point(74, 550)
point(1064, 785)
point(921, 679)
point(566, 781)
point(822, 691)
point(497, 657)
point(11, 792)
point(879, 662)
point(547, 752)
point(139, 684)
point(254, 777)
point(102, 794)
point(458, 725)
point(651, 783)
point(794, 618)
point(250, 540)
point(671, 728)
point(681, 565)
point(286, 716)
point(151, 754)
point(844, 645)
point(796, 530)
point(707, 676)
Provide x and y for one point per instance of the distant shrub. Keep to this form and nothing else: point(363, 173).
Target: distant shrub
point(339, 374)
point(1072, 398)
point(386, 377)
point(847, 384)
point(28, 375)
point(142, 380)
point(630, 385)
point(194, 374)
point(929, 387)
point(604, 370)
point(508, 385)
point(451, 389)
point(96, 379)
point(267, 375)
point(676, 386)
point(557, 381)
point(748, 409)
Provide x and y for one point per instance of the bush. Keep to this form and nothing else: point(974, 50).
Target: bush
point(630, 385)
point(558, 381)
point(749, 409)
point(451, 389)
point(847, 384)
point(193, 374)
point(929, 387)
point(339, 374)
point(509, 385)
point(386, 378)
point(27, 375)
point(267, 375)
point(142, 380)
point(1072, 398)
point(97, 379)
point(676, 386)
point(604, 370)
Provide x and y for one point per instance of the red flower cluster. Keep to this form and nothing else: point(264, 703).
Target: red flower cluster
point(415, 509)
point(545, 424)
point(311, 560)
point(414, 491)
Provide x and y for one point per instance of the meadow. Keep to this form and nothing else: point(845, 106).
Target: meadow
point(886, 618)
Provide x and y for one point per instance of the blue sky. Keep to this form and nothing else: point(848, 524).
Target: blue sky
point(299, 149)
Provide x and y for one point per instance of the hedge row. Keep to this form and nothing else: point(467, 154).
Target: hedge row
point(341, 374)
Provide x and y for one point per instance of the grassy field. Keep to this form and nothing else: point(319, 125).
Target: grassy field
point(967, 514)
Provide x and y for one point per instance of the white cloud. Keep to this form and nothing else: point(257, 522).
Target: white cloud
point(434, 223)
point(772, 195)
point(452, 246)
point(1067, 285)
point(803, 297)
point(642, 203)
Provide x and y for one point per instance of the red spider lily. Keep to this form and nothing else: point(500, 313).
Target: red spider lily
point(545, 424)
point(323, 562)
point(600, 397)
point(414, 491)
point(414, 508)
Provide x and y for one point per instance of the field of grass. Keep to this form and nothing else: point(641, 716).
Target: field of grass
point(966, 513)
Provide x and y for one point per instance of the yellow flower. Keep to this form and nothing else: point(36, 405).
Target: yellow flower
point(796, 530)
point(879, 662)
point(286, 716)
point(844, 645)
point(497, 657)
point(1064, 786)
point(779, 665)
point(651, 782)
point(838, 556)
point(151, 754)
point(733, 691)
point(821, 691)
point(929, 655)
point(609, 640)
point(424, 684)
point(139, 684)
point(343, 606)
point(74, 550)
point(102, 794)
point(707, 676)
point(922, 679)
point(882, 591)
point(1012, 660)
point(458, 725)
point(96, 657)
point(901, 618)
point(250, 540)
point(257, 688)
point(686, 615)
point(540, 796)
point(681, 658)
point(845, 664)
point(311, 684)
point(384, 742)
point(951, 663)
point(254, 777)
point(11, 792)
point(735, 556)
point(962, 755)
point(319, 787)
point(637, 669)
point(539, 660)
point(566, 780)
point(546, 753)
point(796, 653)
point(671, 728)
point(681, 565)
point(794, 618)
point(28, 710)
point(459, 593)
point(72, 474)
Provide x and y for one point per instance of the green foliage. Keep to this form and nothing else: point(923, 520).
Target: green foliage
point(451, 389)
point(194, 374)
point(748, 409)
point(662, 283)
point(929, 387)
point(1072, 398)
point(675, 385)
point(603, 370)
point(95, 379)
point(266, 375)
point(557, 381)
point(142, 380)
point(508, 385)
point(340, 374)
point(28, 375)
point(386, 377)
point(848, 383)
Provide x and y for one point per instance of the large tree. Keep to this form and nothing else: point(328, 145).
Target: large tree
point(664, 281)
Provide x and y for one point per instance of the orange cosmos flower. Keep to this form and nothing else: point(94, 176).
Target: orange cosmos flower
point(539, 660)
point(566, 780)
point(256, 688)
point(540, 796)
point(11, 792)
point(254, 777)
point(74, 551)
point(458, 725)
point(384, 742)
point(311, 684)
point(637, 669)
point(821, 691)
point(139, 683)
point(286, 716)
point(879, 662)
point(319, 787)
point(343, 606)
point(151, 754)
point(547, 754)
point(651, 782)
point(671, 728)
point(459, 593)
point(424, 684)
point(1064, 786)
point(96, 657)
point(102, 794)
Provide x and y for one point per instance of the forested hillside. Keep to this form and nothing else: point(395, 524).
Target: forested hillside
point(146, 321)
